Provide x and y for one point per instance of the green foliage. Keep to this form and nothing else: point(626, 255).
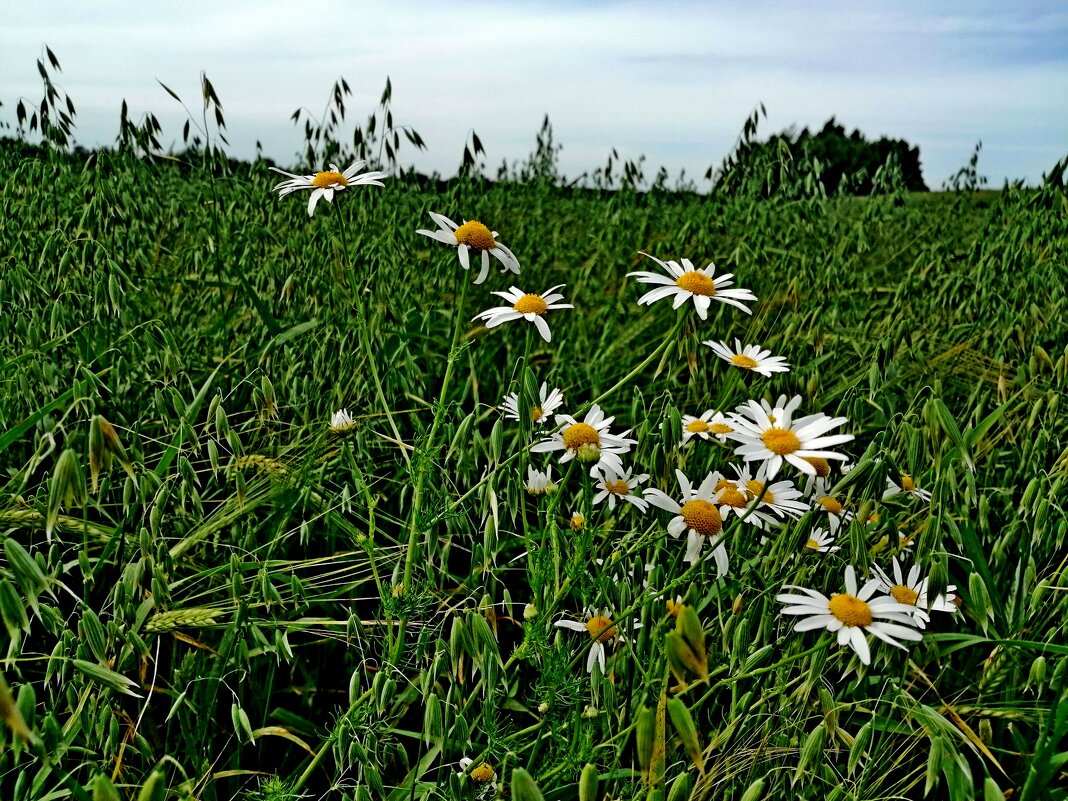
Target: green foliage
point(209, 593)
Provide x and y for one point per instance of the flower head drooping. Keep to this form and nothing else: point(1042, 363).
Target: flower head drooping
point(696, 514)
point(525, 306)
point(750, 357)
point(821, 541)
point(908, 487)
point(548, 402)
point(602, 630)
point(710, 424)
point(684, 282)
point(784, 439)
point(852, 614)
point(540, 483)
point(325, 184)
point(589, 440)
point(341, 421)
point(472, 235)
point(612, 486)
point(911, 590)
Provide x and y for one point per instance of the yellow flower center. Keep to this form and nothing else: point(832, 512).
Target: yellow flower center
point(720, 428)
point(907, 483)
point(904, 595)
point(830, 505)
point(617, 487)
point(874, 518)
point(746, 363)
point(702, 517)
point(823, 467)
point(696, 282)
point(757, 487)
point(483, 774)
point(731, 496)
point(780, 441)
point(536, 414)
point(601, 628)
point(850, 610)
point(578, 522)
point(579, 434)
point(475, 235)
point(812, 544)
point(531, 304)
point(324, 180)
point(673, 607)
point(697, 426)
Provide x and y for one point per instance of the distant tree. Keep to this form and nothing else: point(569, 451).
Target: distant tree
point(826, 162)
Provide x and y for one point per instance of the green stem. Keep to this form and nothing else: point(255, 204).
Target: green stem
point(422, 469)
point(668, 340)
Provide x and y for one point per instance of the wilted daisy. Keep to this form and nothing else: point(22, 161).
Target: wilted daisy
point(525, 306)
point(548, 402)
point(590, 441)
point(907, 486)
point(341, 421)
point(472, 235)
point(911, 590)
point(482, 773)
point(773, 442)
point(613, 486)
point(325, 184)
point(710, 424)
point(749, 357)
point(821, 541)
point(601, 629)
point(696, 513)
point(685, 282)
point(835, 510)
point(852, 614)
point(540, 483)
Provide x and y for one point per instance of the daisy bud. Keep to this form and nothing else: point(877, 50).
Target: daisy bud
point(588, 453)
point(588, 783)
point(590, 711)
point(524, 788)
point(543, 707)
point(578, 522)
point(530, 612)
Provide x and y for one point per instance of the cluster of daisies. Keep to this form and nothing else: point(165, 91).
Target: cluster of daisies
point(766, 438)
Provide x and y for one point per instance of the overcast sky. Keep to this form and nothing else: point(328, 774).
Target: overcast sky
point(672, 80)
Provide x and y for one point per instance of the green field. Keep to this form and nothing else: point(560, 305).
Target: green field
point(216, 596)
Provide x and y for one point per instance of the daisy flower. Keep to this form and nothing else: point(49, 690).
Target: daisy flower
point(325, 184)
point(782, 497)
point(749, 357)
point(525, 306)
point(911, 590)
point(852, 614)
point(482, 773)
point(821, 541)
point(472, 235)
point(908, 486)
point(786, 439)
point(696, 514)
point(590, 440)
point(539, 483)
point(577, 522)
point(710, 423)
point(341, 421)
point(613, 486)
point(837, 514)
point(685, 282)
point(601, 629)
point(548, 402)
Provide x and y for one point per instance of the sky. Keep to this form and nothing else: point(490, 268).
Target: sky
point(672, 80)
